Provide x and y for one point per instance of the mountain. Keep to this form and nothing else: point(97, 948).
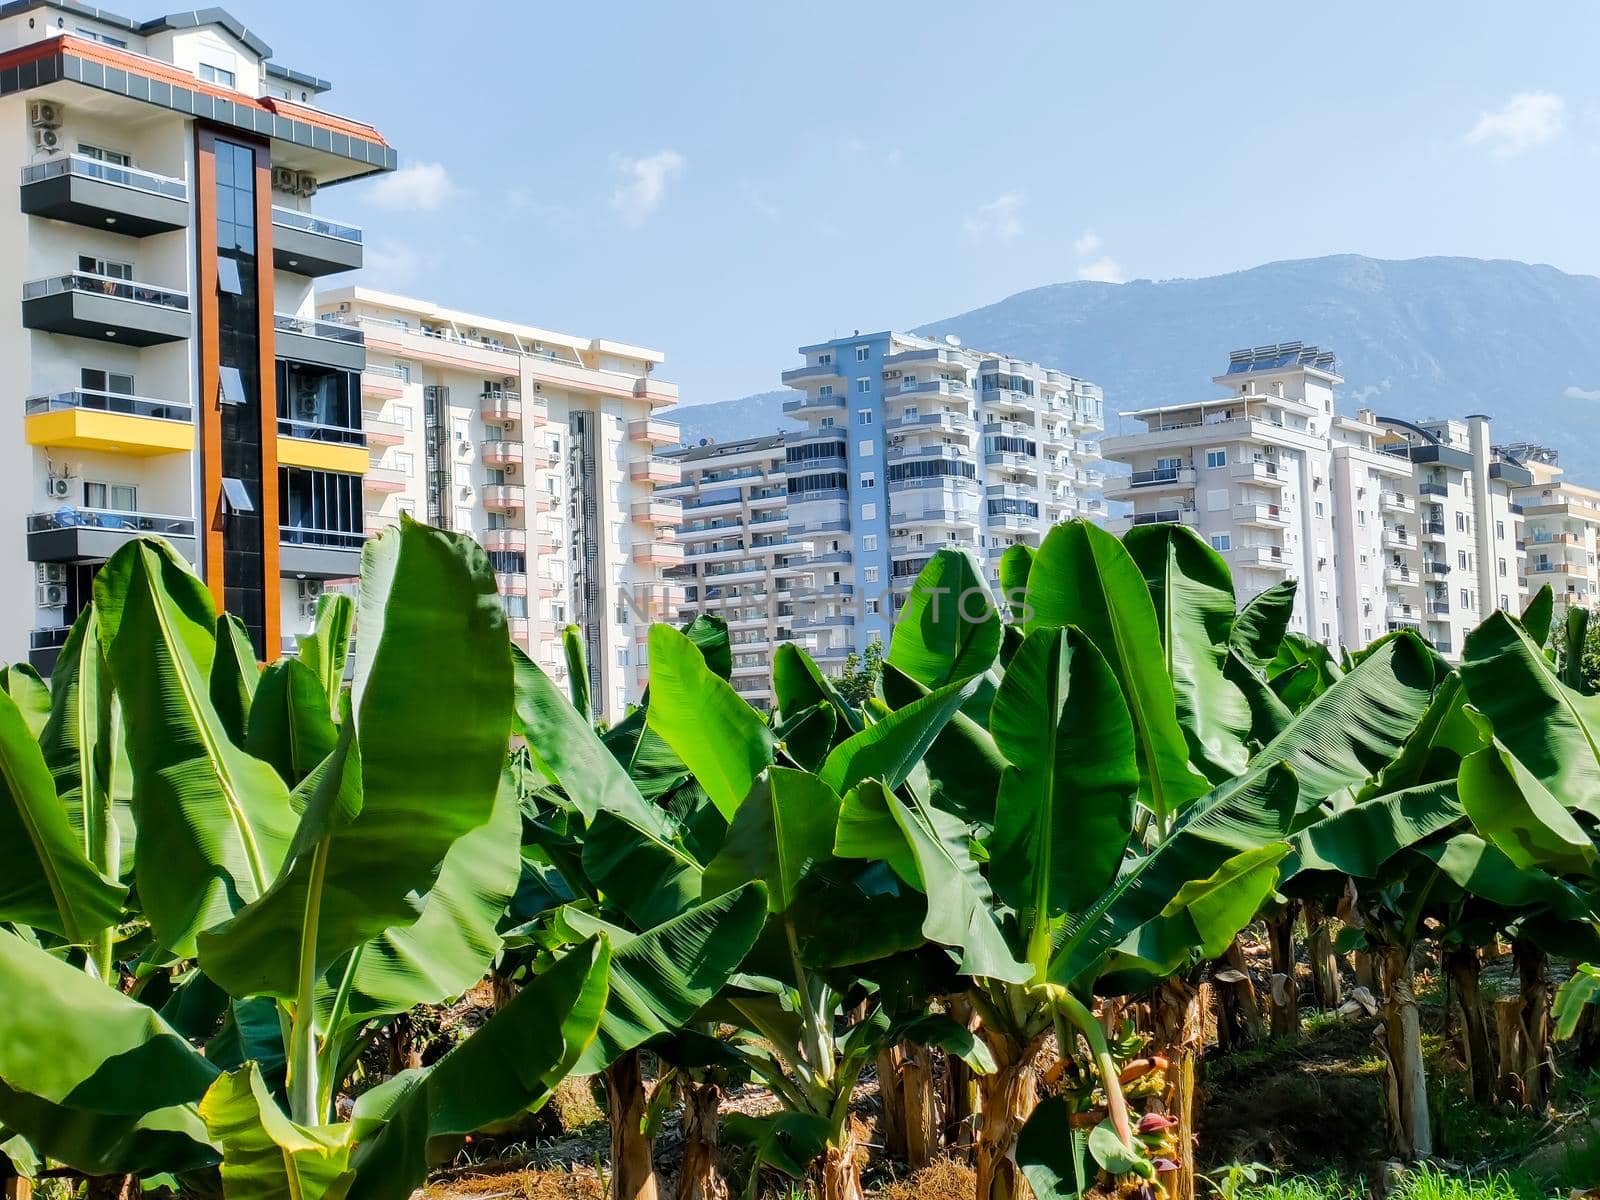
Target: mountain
point(730, 420)
point(1417, 338)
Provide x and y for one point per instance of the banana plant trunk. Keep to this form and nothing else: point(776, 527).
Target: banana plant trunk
point(1533, 972)
point(700, 1178)
point(839, 1170)
point(1410, 1129)
point(921, 1105)
point(1239, 1022)
point(1285, 982)
point(633, 1175)
point(1179, 1018)
point(959, 1090)
point(1006, 1099)
point(891, 1103)
point(1326, 986)
point(1464, 970)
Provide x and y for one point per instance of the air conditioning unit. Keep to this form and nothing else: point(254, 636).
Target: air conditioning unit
point(48, 140)
point(307, 406)
point(283, 179)
point(305, 183)
point(310, 589)
point(59, 487)
point(308, 610)
point(52, 595)
point(51, 573)
point(44, 114)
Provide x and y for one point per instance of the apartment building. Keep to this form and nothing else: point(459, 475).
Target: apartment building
point(741, 563)
point(911, 444)
point(1560, 530)
point(543, 446)
point(162, 259)
point(1384, 523)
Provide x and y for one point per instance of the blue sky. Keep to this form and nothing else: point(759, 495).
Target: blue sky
point(725, 181)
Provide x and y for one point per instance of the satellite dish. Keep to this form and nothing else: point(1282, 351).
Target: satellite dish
point(952, 340)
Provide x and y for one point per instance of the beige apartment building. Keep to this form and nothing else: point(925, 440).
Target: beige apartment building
point(543, 446)
point(1384, 524)
point(1560, 530)
point(741, 562)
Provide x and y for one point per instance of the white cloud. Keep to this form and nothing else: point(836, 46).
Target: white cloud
point(390, 264)
point(644, 184)
point(1102, 270)
point(998, 218)
point(419, 187)
point(1577, 393)
point(1529, 119)
point(1088, 242)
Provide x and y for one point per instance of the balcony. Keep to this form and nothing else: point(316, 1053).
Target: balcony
point(1159, 479)
point(1267, 516)
point(387, 383)
point(1396, 503)
point(505, 497)
point(110, 422)
point(657, 553)
point(500, 406)
point(654, 431)
point(1403, 614)
point(1257, 471)
point(319, 446)
point(932, 422)
point(934, 450)
point(1438, 608)
point(385, 480)
point(658, 512)
point(808, 405)
point(1397, 538)
point(1269, 557)
point(332, 344)
point(656, 469)
point(1433, 489)
point(381, 432)
point(511, 583)
point(1436, 569)
point(312, 553)
point(500, 454)
point(505, 539)
point(1400, 576)
point(102, 195)
point(70, 534)
point(312, 246)
point(1433, 531)
point(517, 627)
point(44, 647)
point(814, 373)
point(99, 308)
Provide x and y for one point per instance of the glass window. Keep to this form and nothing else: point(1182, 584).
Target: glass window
point(868, 479)
point(1217, 458)
point(869, 574)
point(403, 416)
point(869, 543)
point(864, 384)
point(228, 276)
point(213, 74)
point(1222, 541)
point(869, 512)
point(825, 390)
point(404, 462)
point(115, 157)
point(862, 353)
point(237, 496)
point(91, 379)
point(864, 417)
point(232, 386)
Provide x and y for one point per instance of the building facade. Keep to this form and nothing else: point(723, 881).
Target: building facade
point(911, 444)
point(172, 378)
point(1384, 523)
point(543, 446)
point(741, 563)
point(1560, 531)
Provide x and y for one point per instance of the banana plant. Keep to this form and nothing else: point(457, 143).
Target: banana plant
point(1090, 873)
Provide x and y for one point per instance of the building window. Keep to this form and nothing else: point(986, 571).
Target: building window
point(1502, 567)
point(110, 382)
point(1461, 560)
point(869, 512)
point(1326, 632)
point(1466, 600)
point(869, 543)
point(825, 423)
point(104, 267)
point(868, 479)
point(114, 157)
point(864, 384)
point(1319, 508)
point(825, 390)
point(116, 497)
point(1222, 541)
point(824, 360)
point(1504, 602)
point(864, 417)
point(228, 276)
point(1500, 530)
point(1217, 458)
point(407, 506)
point(872, 607)
point(232, 386)
point(212, 74)
point(1461, 522)
point(869, 574)
point(405, 462)
point(862, 353)
point(403, 416)
point(1361, 516)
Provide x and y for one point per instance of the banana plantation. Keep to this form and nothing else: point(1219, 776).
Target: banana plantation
point(1091, 834)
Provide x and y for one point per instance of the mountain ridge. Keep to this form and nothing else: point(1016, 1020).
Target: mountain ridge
point(1416, 338)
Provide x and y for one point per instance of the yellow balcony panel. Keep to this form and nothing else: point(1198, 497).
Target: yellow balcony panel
point(323, 456)
point(115, 433)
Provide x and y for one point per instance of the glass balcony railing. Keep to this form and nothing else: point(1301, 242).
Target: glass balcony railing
point(105, 285)
point(111, 402)
point(334, 331)
point(291, 218)
point(70, 516)
point(93, 168)
point(319, 431)
point(305, 535)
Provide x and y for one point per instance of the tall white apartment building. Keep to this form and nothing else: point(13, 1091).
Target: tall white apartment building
point(741, 563)
point(1384, 524)
point(912, 444)
point(167, 373)
point(543, 446)
point(1560, 530)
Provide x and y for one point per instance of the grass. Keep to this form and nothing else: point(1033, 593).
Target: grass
point(1424, 1182)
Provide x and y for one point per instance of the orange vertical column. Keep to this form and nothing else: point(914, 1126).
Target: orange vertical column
point(210, 515)
point(271, 580)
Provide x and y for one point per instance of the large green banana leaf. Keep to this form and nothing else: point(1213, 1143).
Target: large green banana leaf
point(290, 724)
point(1261, 622)
point(963, 763)
point(1085, 577)
point(1192, 591)
point(326, 649)
point(266, 1156)
point(89, 1076)
point(1553, 731)
point(513, 1063)
point(46, 879)
point(949, 628)
point(1360, 839)
point(577, 655)
point(213, 822)
point(1066, 802)
point(720, 738)
point(234, 675)
point(432, 712)
point(1513, 809)
point(891, 747)
point(784, 828)
point(798, 684)
point(29, 692)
